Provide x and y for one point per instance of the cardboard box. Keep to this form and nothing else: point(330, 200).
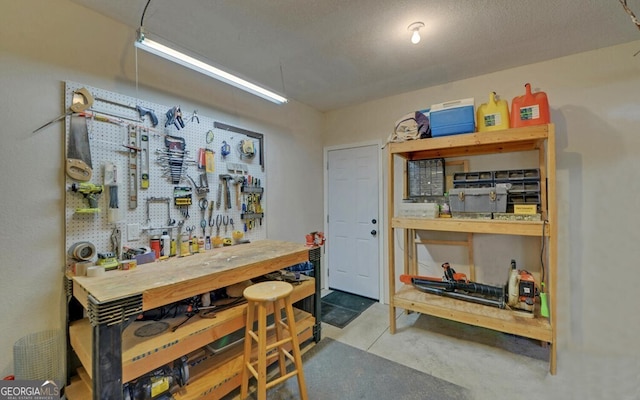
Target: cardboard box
point(452, 117)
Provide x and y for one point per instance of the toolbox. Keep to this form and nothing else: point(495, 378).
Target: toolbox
point(478, 200)
point(452, 117)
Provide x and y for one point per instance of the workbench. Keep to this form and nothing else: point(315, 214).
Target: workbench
point(111, 355)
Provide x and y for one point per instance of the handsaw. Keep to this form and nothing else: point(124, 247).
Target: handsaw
point(78, 164)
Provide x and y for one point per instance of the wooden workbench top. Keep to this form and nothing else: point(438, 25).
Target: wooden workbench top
point(174, 279)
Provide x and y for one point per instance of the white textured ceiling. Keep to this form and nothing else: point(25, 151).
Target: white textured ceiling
point(333, 53)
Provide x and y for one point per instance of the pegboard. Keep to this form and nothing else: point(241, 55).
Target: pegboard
point(110, 130)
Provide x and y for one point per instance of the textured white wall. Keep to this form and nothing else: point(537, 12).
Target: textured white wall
point(596, 109)
point(43, 43)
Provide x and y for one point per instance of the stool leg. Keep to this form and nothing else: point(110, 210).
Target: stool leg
point(262, 351)
point(248, 342)
point(277, 317)
point(296, 348)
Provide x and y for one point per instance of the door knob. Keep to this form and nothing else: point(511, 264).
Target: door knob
point(374, 232)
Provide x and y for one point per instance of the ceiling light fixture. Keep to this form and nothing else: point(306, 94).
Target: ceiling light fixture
point(415, 28)
point(199, 66)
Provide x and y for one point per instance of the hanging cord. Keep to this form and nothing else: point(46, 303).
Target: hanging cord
point(634, 19)
point(136, 49)
point(143, 13)
point(542, 248)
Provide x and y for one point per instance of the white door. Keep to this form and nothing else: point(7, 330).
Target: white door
point(353, 222)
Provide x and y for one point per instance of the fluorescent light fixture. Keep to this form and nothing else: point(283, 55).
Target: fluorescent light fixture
point(204, 68)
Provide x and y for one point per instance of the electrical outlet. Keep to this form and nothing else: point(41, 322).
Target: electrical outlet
point(133, 231)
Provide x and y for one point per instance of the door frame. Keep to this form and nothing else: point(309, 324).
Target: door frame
point(381, 214)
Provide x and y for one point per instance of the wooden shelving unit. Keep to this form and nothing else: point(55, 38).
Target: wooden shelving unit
point(112, 355)
point(540, 139)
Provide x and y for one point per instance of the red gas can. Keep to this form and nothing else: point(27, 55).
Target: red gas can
point(530, 109)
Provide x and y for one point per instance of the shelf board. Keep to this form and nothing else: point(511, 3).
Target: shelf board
point(523, 228)
point(77, 389)
point(215, 377)
point(506, 321)
point(141, 355)
point(470, 144)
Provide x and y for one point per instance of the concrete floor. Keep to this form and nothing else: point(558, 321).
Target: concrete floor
point(490, 364)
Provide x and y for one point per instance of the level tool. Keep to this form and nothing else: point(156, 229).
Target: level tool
point(133, 167)
point(144, 160)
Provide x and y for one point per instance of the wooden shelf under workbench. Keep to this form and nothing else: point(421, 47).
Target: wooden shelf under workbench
point(140, 355)
point(215, 376)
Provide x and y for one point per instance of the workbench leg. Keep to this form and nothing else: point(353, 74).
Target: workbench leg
point(107, 362)
point(315, 259)
point(553, 359)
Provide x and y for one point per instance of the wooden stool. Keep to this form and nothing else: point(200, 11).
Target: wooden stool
point(260, 295)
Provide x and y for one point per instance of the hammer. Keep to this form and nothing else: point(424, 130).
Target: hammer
point(226, 177)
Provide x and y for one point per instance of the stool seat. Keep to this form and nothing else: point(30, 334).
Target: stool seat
point(259, 297)
point(268, 291)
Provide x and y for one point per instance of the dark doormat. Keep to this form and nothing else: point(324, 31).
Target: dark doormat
point(334, 370)
point(340, 308)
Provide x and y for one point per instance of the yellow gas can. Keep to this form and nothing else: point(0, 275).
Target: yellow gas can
point(494, 115)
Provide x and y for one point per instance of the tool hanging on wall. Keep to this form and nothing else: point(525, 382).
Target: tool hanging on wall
point(116, 242)
point(174, 116)
point(210, 161)
point(77, 107)
point(133, 167)
point(78, 165)
point(203, 204)
point(174, 159)
point(182, 199)
point(238, 180)
point(110, 180)
point(167, 201)
point(91, 193)
point(203, 188)
point(219, 196)
point(142, 111)
point(246, 149)
point(225, 150)
point(144, 158)
point(202, 159)
point(227, 190)
point(193, 117)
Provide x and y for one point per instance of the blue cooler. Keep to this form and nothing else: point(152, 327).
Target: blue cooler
point(452, 118)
